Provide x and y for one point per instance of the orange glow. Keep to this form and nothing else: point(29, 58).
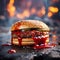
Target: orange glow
point(50, 14)
point(53, 9)
point(33, 10)
point(11, 1)
point(11, 8)
point(54, 38)
point(41, 12)
point(11, 11)
point(20, 16)
point(26, 13)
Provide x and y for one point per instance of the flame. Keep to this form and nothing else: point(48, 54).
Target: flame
point(53, 9)
point(20, 15)
point(41, 12)
point(11, 2)
point(26, 13)
point(33, 10)
point(50, 14)
point(11, 8)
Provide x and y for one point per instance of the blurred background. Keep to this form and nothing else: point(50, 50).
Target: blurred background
point(12, 11)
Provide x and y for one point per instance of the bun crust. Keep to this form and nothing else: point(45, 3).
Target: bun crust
point(30, 24)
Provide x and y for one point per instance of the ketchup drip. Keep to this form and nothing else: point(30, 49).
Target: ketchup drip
point(39, 39)
point(20, 40)
point(19, 37)
point(43, 39)
point(36, 39)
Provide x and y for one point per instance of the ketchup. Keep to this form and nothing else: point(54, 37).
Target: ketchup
point(38, 37)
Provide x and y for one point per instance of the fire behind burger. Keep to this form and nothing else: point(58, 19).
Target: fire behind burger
point(29, 32)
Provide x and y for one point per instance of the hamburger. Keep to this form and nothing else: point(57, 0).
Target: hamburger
point(29, 32)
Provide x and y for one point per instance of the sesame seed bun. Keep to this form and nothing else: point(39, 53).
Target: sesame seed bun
point(24, 24)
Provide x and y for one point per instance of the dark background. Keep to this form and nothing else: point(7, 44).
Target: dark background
point(17, 10)
point(12, 11)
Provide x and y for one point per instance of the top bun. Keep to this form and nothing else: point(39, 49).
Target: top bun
point(30, 24)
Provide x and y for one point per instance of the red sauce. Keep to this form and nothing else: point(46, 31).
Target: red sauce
point(35, 35)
